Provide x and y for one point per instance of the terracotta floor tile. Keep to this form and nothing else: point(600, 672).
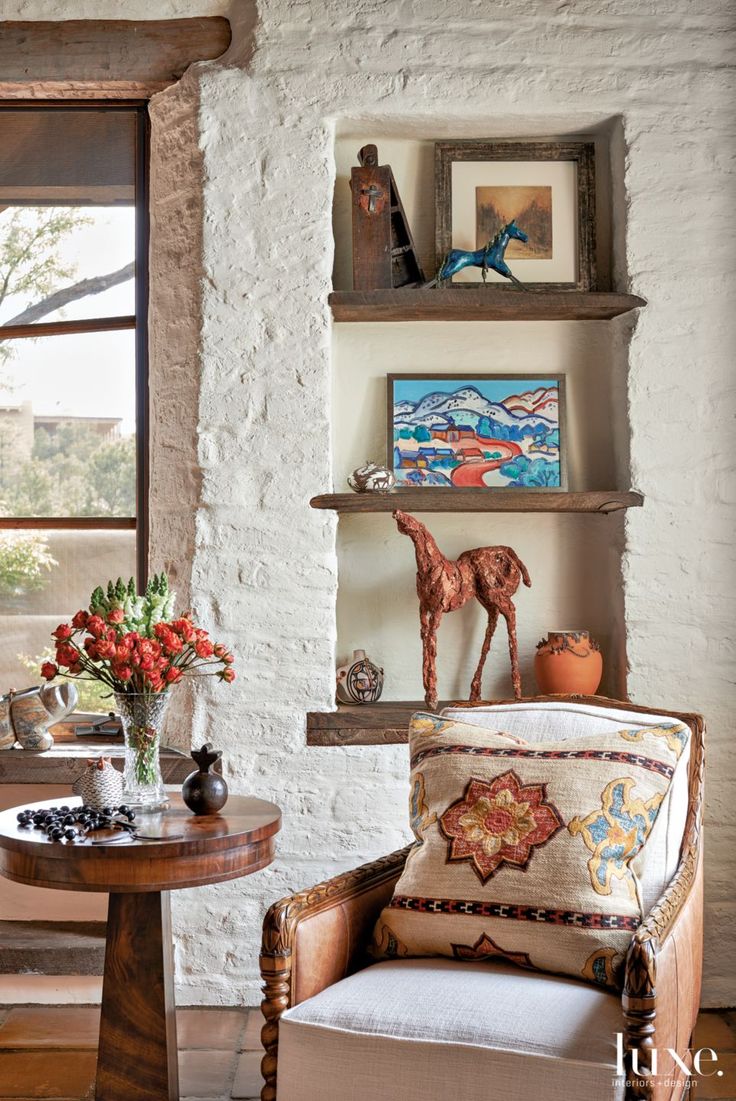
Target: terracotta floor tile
point(717, 1088)
point(213, 1029)
point(205, 1073)
point(51, 1027)
point(248, 1080)
point(39, 1074)
point(209, 1041)
point(712, 1030)
point(252, 1035)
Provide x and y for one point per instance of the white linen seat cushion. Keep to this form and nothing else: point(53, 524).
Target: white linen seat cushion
point(543, 722)
point(436, 1030)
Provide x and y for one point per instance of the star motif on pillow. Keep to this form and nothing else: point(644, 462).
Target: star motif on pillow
point(499, 822)
point(486, 949)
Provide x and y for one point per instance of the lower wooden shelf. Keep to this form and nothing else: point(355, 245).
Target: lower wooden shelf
point(387, 722)
point(384, 723)
point(439, 499)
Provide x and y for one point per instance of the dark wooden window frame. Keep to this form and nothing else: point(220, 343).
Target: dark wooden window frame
point(139, 322)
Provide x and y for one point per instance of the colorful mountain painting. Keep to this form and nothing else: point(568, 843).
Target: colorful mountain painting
point(494, 431)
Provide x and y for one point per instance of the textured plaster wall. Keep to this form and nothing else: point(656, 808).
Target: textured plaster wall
point(264, 568)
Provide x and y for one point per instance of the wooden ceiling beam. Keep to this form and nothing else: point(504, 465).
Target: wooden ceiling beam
point(141, 56)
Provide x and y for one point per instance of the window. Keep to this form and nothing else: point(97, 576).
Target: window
point(73, 293)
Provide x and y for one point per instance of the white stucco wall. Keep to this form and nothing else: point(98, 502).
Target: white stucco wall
point(264, 570)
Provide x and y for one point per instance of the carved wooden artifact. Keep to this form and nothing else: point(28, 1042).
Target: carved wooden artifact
point(490, 574)
point(384, 254)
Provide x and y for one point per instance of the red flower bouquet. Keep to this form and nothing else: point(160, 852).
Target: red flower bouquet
point(134, 645)
point(130, 642)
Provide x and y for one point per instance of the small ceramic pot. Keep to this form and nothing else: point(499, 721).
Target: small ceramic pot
point(100, 785)
point(204, 792)
point(568, 663)
point(371, 478)
point(359, 680)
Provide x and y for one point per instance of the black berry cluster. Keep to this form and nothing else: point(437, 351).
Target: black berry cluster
point(74, 823)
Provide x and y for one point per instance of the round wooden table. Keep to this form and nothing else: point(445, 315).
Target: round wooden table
point(137, 1055)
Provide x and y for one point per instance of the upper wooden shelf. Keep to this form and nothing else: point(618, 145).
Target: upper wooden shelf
point(433, 499)
point(479, 304)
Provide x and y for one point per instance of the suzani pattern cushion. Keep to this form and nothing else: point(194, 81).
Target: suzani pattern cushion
point(527, 851)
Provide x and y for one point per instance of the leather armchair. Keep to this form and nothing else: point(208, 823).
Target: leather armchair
point(317, 937)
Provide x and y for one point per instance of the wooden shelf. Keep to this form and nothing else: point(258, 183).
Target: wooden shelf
point(384, 723)
point(479, 304)
point(438, 499)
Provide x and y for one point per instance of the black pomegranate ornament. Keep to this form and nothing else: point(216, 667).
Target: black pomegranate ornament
point(205, 792)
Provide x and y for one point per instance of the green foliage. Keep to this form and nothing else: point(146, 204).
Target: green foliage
point(422, 434)
point(72, 472)
point(110, 475)
point(142, 613)
point(30, 261)
point(25, 560)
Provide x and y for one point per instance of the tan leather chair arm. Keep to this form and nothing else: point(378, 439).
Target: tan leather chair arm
point(663, 973)
point(315, 938)
point(662, 989)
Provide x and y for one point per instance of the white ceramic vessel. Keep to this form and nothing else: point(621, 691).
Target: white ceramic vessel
point(371, 478)
point(359, 680)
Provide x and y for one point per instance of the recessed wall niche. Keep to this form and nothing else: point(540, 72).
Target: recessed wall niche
point(574, 560)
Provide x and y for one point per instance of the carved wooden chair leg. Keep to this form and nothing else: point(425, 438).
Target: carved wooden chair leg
point(640, 1010)
point(276, 971)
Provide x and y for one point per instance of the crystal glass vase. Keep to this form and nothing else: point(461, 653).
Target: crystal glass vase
point(142, 716)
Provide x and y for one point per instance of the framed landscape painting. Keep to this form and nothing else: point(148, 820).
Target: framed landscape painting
point(477, 431)
point(547, 188)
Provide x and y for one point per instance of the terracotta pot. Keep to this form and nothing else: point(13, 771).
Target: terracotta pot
point(568, 663)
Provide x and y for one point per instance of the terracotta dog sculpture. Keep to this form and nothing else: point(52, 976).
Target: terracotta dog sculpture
point(490, 574)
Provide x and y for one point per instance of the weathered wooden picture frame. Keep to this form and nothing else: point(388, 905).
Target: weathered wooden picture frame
point(575, 227)
point(519, 433)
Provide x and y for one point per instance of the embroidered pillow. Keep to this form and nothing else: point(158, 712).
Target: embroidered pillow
point(527, 852)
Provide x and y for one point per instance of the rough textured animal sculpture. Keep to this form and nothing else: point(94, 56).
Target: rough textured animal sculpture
point(484, 258)
point(490, 574)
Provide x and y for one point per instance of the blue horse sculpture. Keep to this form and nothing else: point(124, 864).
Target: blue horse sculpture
point(484, 258)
